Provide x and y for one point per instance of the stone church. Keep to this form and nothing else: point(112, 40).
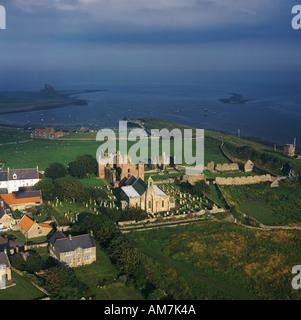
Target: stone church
point(147, 196)
point(118, 170)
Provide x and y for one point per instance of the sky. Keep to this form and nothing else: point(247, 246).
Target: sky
point(157, 36)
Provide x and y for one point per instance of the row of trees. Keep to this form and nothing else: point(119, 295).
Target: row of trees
point(68, 188)
point(83, 166)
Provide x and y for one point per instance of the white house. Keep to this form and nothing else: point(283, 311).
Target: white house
point(14, 180)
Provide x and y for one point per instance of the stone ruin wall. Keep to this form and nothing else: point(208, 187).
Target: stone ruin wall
point(247, 180)
point(227, 167)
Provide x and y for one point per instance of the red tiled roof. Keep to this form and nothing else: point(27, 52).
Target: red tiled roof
point(10, 199)
point(39, 130)
point(26, 223)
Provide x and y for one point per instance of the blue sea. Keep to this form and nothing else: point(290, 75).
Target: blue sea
point(272, 114)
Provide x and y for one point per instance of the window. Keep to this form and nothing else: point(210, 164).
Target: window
point(149, 204)
point(162, 204)
point(68, 262)
point(15, 176)
point(87, 258)
point(68, 253)
point(87, 250)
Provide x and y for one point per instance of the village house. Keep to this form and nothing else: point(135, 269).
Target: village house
point(73, 251)
point(46, 133)
point(7, 220)
point(14, 180)
point(5, 270)
point(22, 200)
point(32, 229)
point(147, 196)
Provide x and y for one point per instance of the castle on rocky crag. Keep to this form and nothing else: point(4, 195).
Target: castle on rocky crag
point(117, 169)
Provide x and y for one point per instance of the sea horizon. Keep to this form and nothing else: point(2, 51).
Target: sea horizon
point(271, 112)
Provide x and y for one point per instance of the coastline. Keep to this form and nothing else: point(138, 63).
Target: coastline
point(75, 102)
point(64, 95)
point(254, 139)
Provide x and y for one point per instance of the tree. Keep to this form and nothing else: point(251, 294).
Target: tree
point(88, 162)
point(201, 188)
point(127, 258)
point(70, 189)
point(77, 170)
point(34, 263)
point(96, 194)
point(131, 214)
point(47, 188)
point(62, 284)
point(55, 170)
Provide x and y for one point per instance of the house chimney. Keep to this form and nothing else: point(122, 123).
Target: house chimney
point(91, 233)
point(5, 251)
point(70, 237)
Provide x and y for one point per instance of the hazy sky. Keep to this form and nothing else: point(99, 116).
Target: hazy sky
point(155, 35)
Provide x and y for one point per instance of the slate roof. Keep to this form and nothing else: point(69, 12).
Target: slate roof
point(84, 241)
point(23, 174)
point(28, 194)
point(4, 259)
point(130, 191)
point(159, 191)
point(3, 176)
point(140, 186)
point(57, 235)
point(130, 181)
point(2, 212)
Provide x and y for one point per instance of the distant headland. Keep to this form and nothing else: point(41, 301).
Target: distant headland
point(47, 98)
point(235, 99)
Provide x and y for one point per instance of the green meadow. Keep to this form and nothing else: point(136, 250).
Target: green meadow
point(270, 206)
point(219, 260)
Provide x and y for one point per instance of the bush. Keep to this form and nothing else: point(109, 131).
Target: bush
point(55, 170)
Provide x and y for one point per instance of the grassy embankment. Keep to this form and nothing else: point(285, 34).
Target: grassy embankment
point(218, 260)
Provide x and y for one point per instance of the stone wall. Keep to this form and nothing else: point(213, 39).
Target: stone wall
point(227, 167)
point(192, 179)
point(246, 180)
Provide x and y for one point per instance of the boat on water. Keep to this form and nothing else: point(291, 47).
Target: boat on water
point(177, 111)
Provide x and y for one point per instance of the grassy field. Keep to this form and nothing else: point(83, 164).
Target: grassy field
point(23, 290)
point(219, 260)
point(102, 269)
point(43, 152)
point(270, 206)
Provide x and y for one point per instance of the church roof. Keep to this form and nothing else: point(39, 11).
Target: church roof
point(140, 186)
